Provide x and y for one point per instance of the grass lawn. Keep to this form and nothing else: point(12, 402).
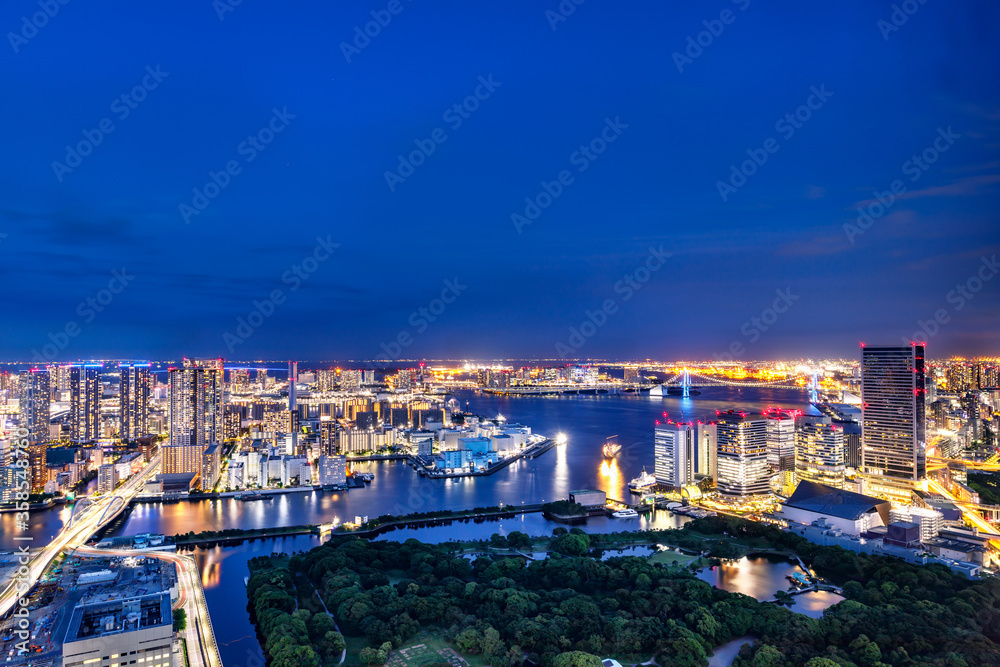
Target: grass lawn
point(427, 648)
point(668, 557)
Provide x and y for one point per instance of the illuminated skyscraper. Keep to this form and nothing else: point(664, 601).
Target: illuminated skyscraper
point(84, 386)
point(195, 414)
point(293, 378)
point(133, 399)
point(35, 403)
point(326, 380)
point(196, 402)
point(239, 381)
point(675, 447)
point(350, 380)
point(683, 453)
point(892, 393)
point(780, 439)
point(819, 451)
point(742, 457)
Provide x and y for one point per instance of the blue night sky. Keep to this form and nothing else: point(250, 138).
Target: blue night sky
point(886, 95)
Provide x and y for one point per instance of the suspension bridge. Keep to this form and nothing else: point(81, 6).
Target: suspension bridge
point(687, 380)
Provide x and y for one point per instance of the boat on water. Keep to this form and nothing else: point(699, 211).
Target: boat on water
point(364, 476)
point(253, 495)
point(611, 447)
point(626, 514)
point(642, 482)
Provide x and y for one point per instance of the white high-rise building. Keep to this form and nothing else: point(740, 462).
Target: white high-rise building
point(107, 478)
point(742, 457)
point(332, 470)
point(235, 475)
point(930, 521)
point(684, 453)
point(675, 448)
point(780, 439)
point(819, 451)
point(350, 380)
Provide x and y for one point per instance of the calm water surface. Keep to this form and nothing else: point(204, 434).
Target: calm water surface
point(761, 576)
point(397, 489)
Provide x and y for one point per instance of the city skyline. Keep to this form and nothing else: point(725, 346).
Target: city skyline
point(540, 334)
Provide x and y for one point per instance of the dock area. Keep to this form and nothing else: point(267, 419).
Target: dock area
point(530, 452)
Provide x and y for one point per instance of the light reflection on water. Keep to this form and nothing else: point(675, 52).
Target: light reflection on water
point(760, 576)
point(586, 421)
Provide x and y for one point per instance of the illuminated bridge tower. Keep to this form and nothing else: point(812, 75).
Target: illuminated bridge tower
point(814, 387)
point(686, 384)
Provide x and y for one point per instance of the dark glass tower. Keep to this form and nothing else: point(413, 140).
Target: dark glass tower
point(893, 440)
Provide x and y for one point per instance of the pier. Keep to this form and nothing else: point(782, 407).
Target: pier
point(531, 452)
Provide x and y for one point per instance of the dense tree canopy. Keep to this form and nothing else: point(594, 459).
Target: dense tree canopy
point(568, 609)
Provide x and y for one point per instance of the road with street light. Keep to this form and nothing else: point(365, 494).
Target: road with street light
point(86, 521)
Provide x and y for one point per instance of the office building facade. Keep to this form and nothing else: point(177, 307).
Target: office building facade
point(182, 459)
point(780, 440)
point(675, 448)
point(893, 422)
point(332, 470)
point(742, 454)
point(819, 451)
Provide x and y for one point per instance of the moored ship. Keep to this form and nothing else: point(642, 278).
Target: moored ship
point(642, 482)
